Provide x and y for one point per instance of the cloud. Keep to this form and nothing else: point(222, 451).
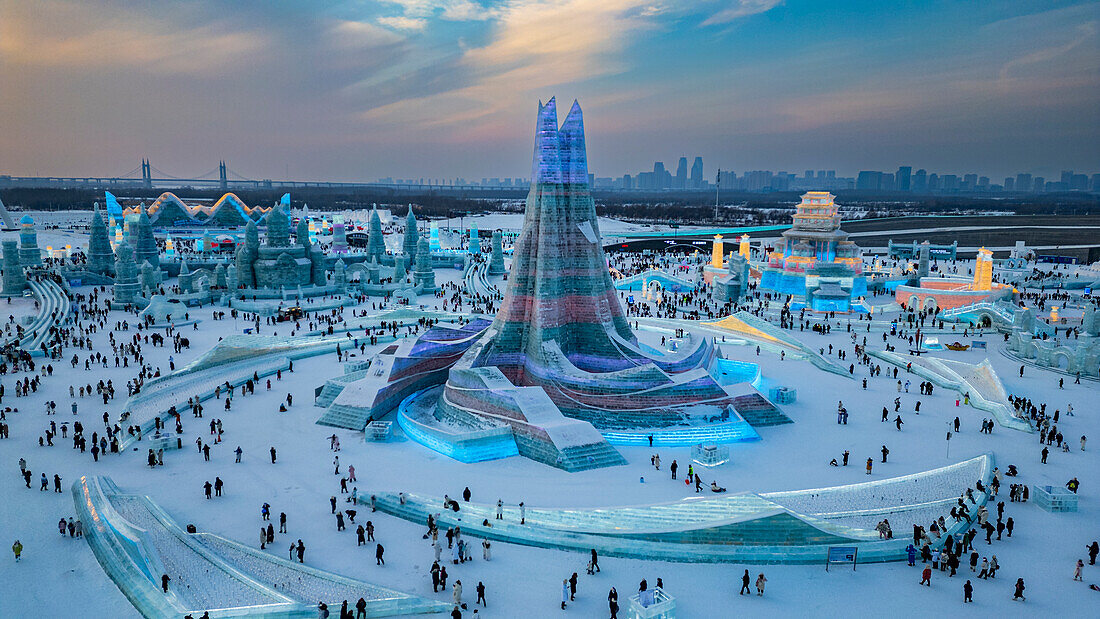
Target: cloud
point(357, 35)
point(77, 36)
point(401, 22)
point(1083, 34)
point(533, 46)
point(451, 10)
point(739, 9)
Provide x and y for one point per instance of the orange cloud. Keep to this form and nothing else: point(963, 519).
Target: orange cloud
point(61, 34)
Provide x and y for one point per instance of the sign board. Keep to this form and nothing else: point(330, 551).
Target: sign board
point(977, 344)
point(841, 554)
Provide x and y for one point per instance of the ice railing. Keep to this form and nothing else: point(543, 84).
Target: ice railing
point(1005, 312)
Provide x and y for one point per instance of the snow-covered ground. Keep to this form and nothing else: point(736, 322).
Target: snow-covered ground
point(59, 576)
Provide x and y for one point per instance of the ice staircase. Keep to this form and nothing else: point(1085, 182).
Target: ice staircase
point(345, 416)
point(758, 411)
point(334, 386)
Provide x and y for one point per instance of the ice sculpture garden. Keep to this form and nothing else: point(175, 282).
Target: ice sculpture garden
point(540, 401)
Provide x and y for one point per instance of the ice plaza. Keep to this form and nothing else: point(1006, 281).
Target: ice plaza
point(534, 414)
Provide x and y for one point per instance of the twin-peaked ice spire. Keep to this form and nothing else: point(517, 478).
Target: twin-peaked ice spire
point(559, 153)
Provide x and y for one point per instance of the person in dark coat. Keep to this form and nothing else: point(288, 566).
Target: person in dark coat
point(378, 551)
point(745, 583)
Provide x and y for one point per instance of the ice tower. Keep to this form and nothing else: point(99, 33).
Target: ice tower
point(560, 363)
point(558, 376)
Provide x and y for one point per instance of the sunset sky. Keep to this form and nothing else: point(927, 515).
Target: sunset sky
point(418, 88)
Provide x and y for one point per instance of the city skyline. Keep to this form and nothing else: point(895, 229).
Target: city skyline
point(409, 88)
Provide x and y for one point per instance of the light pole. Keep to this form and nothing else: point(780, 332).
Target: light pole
point(717, 184)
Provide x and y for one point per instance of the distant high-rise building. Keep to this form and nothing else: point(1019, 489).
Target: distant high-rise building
point(902, 180)
point(662, 178)
point(869, 180)
point(888, 182)
point(809, 174)
point(1038, 185)
point(983, 182)
point(758, 180)
point(1010, 183)
point(970, 182)
point(1079, 182)
point(681, 174)
point(950, 182)
point(1067, 175)
point(1094, 182)
point(1023, 182)
point(933, 182)
point(697, 173)
point(919, 182)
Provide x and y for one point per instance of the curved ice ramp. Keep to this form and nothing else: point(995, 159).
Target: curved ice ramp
point(466, 438)
point(987, 392)
point(54, 308)
point(781, 527)
point(135, 542)
point(768, 336)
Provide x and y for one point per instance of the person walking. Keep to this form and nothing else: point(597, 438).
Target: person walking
point(968, 592)
point(613, 603)
point(378, 552)
point(745, 580)
point(17, 550)
point(164, 582)
point(1077, 570)
point(926, 576)
point(564, 592)
point(1019, 593)
point(760, 581)
point(456, 592)
point(595, 560)
point(870, 465)
point(481, 594)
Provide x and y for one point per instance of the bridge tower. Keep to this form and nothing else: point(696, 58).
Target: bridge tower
point(146, 174)
point(223, 178)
